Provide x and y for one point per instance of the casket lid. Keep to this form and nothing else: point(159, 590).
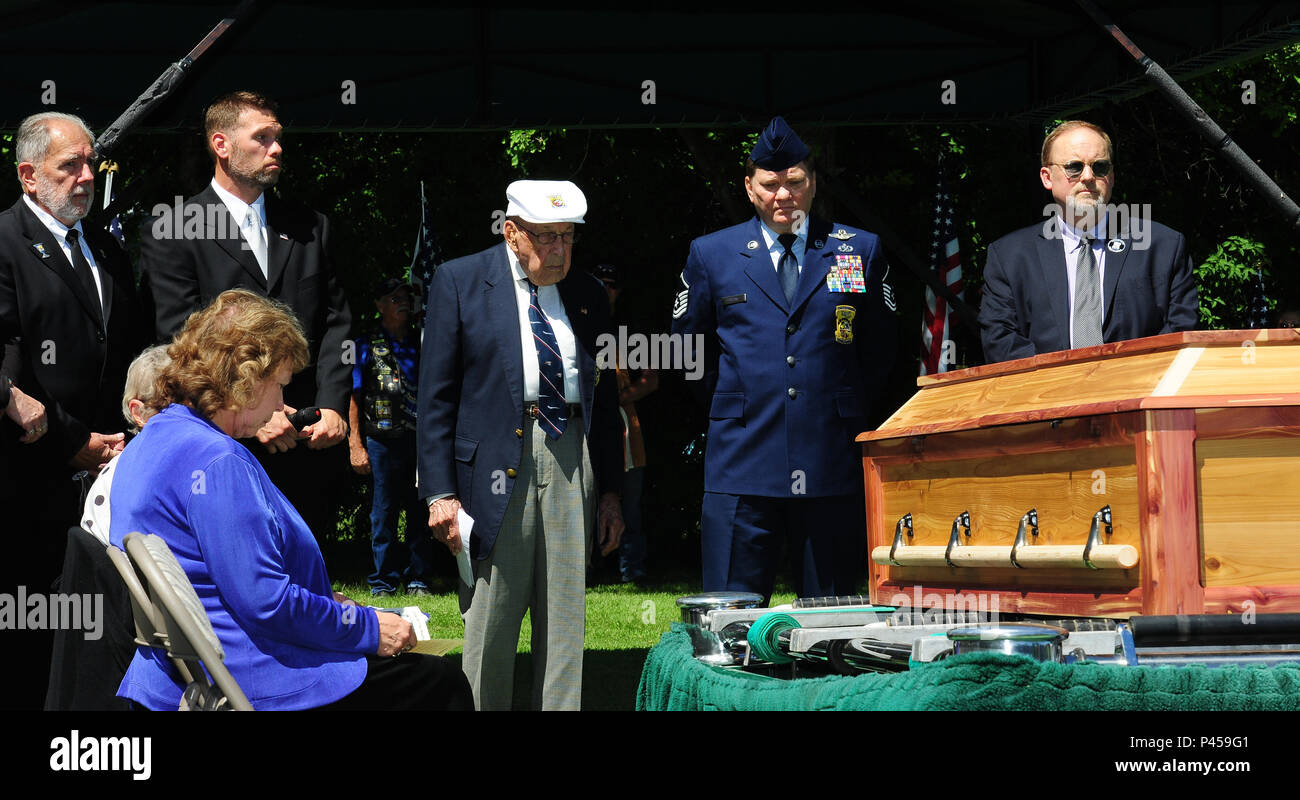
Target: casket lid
point(1192, 369)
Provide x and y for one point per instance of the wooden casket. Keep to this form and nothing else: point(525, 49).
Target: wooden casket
point(1190, 441)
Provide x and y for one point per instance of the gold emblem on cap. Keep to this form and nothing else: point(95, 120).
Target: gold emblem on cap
point(557, 200)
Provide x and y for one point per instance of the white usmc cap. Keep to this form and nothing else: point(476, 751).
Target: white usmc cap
point(543, 202)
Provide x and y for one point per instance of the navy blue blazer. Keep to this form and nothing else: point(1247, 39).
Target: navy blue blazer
point(471, 396)
point(1148, 289)
point(789, 385)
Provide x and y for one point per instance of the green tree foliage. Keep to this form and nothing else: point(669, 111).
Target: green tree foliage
point(1226, 283)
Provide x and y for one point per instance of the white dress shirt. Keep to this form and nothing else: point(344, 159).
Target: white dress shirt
point(60, 232)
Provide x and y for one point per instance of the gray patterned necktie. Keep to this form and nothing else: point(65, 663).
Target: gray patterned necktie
point(1087, 298)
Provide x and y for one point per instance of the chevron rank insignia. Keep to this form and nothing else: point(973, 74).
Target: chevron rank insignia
point(683, 297)
point(887, 291)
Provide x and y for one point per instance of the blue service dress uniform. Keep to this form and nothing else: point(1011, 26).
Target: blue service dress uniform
point(789, 386)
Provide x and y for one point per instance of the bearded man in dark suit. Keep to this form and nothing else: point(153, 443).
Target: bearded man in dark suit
point(237, 234)
point(69, 326)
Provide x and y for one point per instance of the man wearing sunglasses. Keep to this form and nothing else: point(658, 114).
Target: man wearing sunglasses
point(1082, 279)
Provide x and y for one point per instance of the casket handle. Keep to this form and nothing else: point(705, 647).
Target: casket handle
point(1027, 522)
point(904, 522)
point(1102, 517)
point(954, 540)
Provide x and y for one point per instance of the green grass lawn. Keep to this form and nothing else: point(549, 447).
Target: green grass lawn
point(623, 623)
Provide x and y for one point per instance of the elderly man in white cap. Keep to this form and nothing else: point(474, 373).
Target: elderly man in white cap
point(517, 428)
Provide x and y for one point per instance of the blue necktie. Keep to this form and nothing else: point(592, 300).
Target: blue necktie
point(788, 267)
point(551, 410)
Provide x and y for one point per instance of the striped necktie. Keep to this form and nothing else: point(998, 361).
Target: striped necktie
point(551, 410)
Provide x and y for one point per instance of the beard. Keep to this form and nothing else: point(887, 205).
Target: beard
point(63, 205)
point(259, 176)
point(1087, 212)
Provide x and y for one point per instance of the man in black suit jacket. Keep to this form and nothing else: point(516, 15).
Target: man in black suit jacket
point(526, 461)
point(1139, 275)
point(69, 327)
point(236, 234)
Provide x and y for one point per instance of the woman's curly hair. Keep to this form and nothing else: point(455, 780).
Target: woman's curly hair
point(227, 349)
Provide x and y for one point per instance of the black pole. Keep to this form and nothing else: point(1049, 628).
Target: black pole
point(165, 84)
point(1208, 128)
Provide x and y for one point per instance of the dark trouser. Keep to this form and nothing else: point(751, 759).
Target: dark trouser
point(742, 537)
point(392, 465)
point(632, 552)
point(408, 682)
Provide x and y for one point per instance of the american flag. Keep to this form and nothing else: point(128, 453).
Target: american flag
point(937, 348)
point(427, 256)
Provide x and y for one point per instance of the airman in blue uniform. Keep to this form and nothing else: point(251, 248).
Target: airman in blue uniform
point(800, 336)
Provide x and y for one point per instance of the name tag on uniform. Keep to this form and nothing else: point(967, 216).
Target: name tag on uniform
point(846, 275)
point(731, 300)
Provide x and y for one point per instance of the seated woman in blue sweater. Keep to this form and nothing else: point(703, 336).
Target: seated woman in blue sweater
point(289, 640)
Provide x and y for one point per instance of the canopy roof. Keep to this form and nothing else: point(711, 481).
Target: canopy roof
point(549, 66)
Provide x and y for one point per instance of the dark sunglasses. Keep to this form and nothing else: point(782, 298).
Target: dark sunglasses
point(1073, 169)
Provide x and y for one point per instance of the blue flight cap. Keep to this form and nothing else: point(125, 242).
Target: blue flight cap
point(778, 147)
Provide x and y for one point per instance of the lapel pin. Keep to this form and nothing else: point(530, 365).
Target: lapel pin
point(1116, 245)
point(753, 245)
point(582, 310)
point(819, 244)
point(284, 236)
point(40, 250)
